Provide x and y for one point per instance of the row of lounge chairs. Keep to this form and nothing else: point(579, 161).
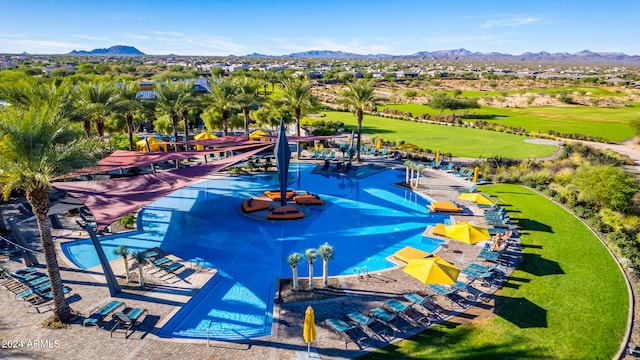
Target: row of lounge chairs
point(125, 319)
point(30, 286)
point(393, 315)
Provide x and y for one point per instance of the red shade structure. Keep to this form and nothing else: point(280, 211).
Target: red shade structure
point(111, 199)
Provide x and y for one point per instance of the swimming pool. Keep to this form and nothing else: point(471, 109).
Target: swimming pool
point(365, 220)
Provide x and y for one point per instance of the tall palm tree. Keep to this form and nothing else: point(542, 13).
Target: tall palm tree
point(419, 168)
point(33, 151)
point(248, 97)
point(124, 251)
point(326, 252)
point(408, 165)
point(297, 94)
point(99, 100)
point(311, 254)
point(293, 260)
point(141, 258)
point(173, 97)
point(129, 104)
point(223, 98)
point(189, 104)
point(359, 97)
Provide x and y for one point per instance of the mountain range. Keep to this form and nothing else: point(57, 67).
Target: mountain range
point(581, 57)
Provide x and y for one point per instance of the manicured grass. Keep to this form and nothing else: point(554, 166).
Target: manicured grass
point(464, 142)
point(566, 300)
point(610, 123)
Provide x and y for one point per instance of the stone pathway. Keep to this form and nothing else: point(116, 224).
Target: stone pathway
point(89, 291)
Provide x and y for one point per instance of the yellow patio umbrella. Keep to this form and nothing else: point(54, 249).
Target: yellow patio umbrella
point(475, 174)
point(258, 135)
point(467, 233)
point(204, 135)
point(379, 144)
point(141, 145)
point(432, 270)
point(437, 155)
point(477, 198)
point(309, 330)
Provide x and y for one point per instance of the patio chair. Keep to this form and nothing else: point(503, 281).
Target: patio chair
point(492, 206)
point(127, 320)
point(172, 269)
point(471, 189)
point(386, 317)
point(457, 172)
point(96, 316)
point(315, 154)
point(332, 154)
point(448, 167)
point(322, 155)
point(406, 311)
point(481, 268)
point(342, 329)
point(383, 152)
point(366, 323)
point(423, 301)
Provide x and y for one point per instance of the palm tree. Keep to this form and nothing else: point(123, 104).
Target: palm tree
point(173, 96)
point(248, 97)
point(359, 97)
point(141, 258)
point(326, 252)
point(294, 259)
point(419, 169)
point(35, 150)
point(99, 100)
point(310, 254)
point(189, 103)
point(297, 94)
point(128, 104)
point(407, 166)
point(124, 252)
point(223, 98)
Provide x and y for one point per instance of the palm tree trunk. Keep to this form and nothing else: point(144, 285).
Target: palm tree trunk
point(3, 227)
point(245, 111)
point(310, 275)
point(406, 174)
point(39, 200)
point(185, 119)
point(325, 272)
point(294, 269)
point(175, 120)
point(225, 121)
point(298, 115)
point(359, 114)
point(141, 275)
point(100, 126)
point(129, 118)
point(86, 124)
point(126, 268)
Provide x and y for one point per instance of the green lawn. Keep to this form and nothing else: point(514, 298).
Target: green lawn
point(611, 123)
point(566, 300)
point(463, 142)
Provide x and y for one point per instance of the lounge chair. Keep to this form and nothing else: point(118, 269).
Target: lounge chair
point(481, 268)
point(500, 223)
point(127, 320)
point(332, 154)
point(99, 314)
point(366, 323)
point(444, 207)
point(471, 189)
point(386, 317)
point(315, 154)
point(406, 311)
point(322, 155)
point(172, 268)
point(342, 329)
point(492, 206)
point(491, 255)
point(423, 301)
point(383, 152)
point(448, 167)
point(459, 171)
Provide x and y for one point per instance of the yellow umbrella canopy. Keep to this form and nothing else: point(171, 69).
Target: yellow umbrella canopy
point(477, 198)
point(258, 134)
point(204, 135)
point(432, 270)
point(141, 145)
point(467, 233)
point(437, 155)
point(309, 330)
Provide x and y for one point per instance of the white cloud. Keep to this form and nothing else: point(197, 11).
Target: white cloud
point(37, 46)
point(511, 21)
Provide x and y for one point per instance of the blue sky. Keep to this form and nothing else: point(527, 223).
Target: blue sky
point(203, 27)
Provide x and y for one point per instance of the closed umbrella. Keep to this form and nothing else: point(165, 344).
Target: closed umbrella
point(437, 155)
point(467, 233)
point(475, 174)
point(379, 144)
point(432, 270)
point(309, 330)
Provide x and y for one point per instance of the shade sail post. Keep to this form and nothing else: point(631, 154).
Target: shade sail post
point(29, 259)
point(112, 282)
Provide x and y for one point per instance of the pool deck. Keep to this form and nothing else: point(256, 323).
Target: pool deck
point(363, 293)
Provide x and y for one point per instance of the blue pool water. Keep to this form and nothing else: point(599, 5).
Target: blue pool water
point(365, 220)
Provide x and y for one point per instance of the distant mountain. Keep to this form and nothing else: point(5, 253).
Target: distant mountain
point(118, 50)
point(581, 57)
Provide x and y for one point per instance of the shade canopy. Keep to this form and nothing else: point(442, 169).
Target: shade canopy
point(467, 233)
point(258, 134)
point(476, 197)
point(111, 199)
point(432, 270)
point(154, 145)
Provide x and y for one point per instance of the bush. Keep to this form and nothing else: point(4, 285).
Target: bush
point(399, 142)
